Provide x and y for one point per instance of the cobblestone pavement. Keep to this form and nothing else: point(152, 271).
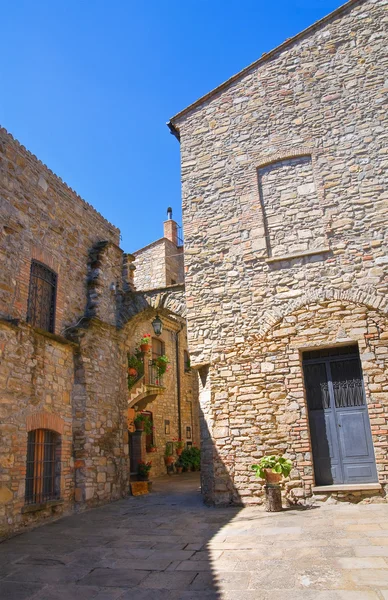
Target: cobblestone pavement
point(169, 546)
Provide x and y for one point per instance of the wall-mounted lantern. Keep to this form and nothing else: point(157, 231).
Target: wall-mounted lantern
point(157, 325)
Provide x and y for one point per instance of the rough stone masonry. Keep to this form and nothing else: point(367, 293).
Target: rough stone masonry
point(285, 224)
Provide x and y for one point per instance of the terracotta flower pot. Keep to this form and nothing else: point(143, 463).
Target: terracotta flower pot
point(139, 425)
point(272, 478)
point(169, 460)
point(132, 372)
point(179, 469)
point(145, 347)
point(179, 451)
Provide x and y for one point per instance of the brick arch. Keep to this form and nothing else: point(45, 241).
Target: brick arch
point(362, 297)
point(45, 420)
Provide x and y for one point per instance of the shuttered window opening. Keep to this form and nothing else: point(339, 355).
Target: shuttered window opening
point(43, 466)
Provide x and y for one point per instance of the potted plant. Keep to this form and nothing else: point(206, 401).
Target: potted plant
point(151, 448)
point(143, 470)
point(179, 466)
point(168, 457)
point(161, 364)
point(272, 468)
point(185, 459)
point(145, 343)
point(179, 446)
point(195, 455)
point(135, 366)
point(142, 423)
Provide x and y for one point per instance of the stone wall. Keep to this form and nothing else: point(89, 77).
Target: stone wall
point(284, 205)
point(160, 264)
point(36, 375)
point(73, 381)
point(43, 218)
point(100, 416)
point(259, 404)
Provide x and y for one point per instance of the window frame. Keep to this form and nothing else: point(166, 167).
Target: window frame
point(156, 355)
point(35, 308)
point(43, 455)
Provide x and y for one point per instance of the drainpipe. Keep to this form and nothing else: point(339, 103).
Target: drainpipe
point(178, 383)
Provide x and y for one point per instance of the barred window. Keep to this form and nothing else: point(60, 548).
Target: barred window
point(43, 466)
point(42, 297)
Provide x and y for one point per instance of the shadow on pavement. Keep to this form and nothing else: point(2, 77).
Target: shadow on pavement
point(156, 547)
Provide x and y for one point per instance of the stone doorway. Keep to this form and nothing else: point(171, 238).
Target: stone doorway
point(340, 431)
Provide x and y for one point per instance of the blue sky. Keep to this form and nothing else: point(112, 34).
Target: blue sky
point(88, 87)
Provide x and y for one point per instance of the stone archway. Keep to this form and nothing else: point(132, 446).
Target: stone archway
point(366, 297)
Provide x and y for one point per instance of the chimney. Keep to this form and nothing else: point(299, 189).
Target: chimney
point(171, 228)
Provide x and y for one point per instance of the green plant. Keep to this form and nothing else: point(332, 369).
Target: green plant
point(179, 443)
point(277, 464)
point(161, 364)
point(140, 418)
point(168, 450)
point(134, 364)
point(195, 455)
point(146, 339)
point(185, 459)
point(143, 468)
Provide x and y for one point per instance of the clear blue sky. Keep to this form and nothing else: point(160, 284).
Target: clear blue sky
point(88, 85)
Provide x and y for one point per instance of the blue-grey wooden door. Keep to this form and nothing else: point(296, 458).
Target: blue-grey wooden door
point(339, 423)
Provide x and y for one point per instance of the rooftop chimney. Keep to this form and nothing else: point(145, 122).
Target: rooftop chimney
point(171, 228)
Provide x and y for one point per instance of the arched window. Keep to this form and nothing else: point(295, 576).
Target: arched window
point(42, 297)
point(43, 466)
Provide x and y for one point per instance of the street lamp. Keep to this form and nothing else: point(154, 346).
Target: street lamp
point(157, 325)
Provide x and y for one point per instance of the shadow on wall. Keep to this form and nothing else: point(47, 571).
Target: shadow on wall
point(217, 485)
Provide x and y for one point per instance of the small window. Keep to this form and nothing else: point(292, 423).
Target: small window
point(43, 466)
point(157, 348)
point(42, 297)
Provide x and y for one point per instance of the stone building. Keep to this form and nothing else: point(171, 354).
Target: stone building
point(285, 224)
point(69, 317)
point(160, 264)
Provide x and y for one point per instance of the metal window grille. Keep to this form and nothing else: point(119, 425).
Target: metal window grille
point(43, 466)
point(154, 377)
point(42, 297)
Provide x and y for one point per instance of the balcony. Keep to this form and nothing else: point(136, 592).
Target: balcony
point(146, 382)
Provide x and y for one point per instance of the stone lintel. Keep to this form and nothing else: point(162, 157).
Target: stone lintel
point(297, 255)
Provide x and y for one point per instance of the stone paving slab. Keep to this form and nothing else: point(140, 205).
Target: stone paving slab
point(169, 546)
